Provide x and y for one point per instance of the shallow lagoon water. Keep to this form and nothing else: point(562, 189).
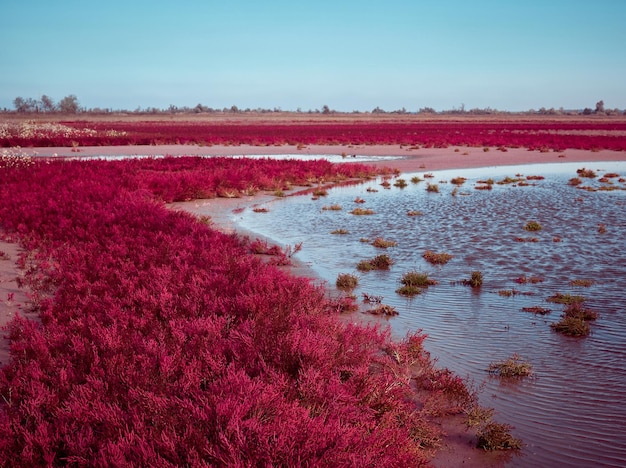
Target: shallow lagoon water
point(572, 412)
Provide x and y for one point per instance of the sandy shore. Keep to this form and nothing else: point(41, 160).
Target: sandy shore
point(456, 450)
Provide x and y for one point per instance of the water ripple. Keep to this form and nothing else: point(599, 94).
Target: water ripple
point(572, 411)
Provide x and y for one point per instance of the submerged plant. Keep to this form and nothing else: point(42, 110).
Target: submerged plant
point(559, 298)
point(475, 280)
point(458, 180)
point(582, 282)
point(413, 282)
point(320, 192)
point(384, 309)
point(571, 326)
point(586, 173)
point(497, 436)
point(437, 258)
point(537, 310)
point(362, 211)
point(532, 226)
point(383, 244)
point(528, 279)
point(380, 262)
point(433, 188)
point(346, 281)
point(514, 366)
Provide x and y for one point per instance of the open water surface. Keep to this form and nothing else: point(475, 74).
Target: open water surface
point(572, 411)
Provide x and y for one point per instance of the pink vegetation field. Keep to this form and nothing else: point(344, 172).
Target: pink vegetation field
point(163, 342)
point(149, 338)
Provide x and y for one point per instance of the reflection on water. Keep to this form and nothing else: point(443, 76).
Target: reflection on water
point(334, 158)
point(573, 411)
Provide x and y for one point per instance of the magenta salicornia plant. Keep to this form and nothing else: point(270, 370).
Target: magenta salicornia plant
point(164, 342)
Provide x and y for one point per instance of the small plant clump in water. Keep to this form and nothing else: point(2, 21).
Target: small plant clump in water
point(532, 226)
point(383, 244)
point(514, 366)
point(574, 181)
point(416, 179)
point(458, 180)
point(261, 210)
point(586, 173)
point(380, 262)
point(413, 282)
point(400, 183)
point(559, 298)
point(320, 192)
point(385, 310)
point(571, 326)
point(582, 282)
point(537, 310)
point(577, 310)
point(509, 292)
point(346, 281)
point(335, 207)
point(371, 299)
point(475, 280)
point(340, 231)
point(497, 436)
point(437, 258)
point(528, 279)
point(509, 180)
point(414, 213)
point(365, 240)
point(432, 188)
point(362, 211)
point(526, 239)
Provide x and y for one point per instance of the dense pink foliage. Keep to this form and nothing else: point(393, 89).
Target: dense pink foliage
point(163, 342)
point(587, 134)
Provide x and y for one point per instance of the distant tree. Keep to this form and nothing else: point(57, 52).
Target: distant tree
point(377, 110)
point(20, 104)
point(69, 105)
point(587, 111)
point(599, 107)
point(325, 109)
point(427, 110)
point(47, 104)
point(234, 109)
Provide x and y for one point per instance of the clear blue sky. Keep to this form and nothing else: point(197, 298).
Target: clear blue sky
point(349, 55)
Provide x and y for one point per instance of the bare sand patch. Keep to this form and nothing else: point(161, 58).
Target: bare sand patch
point(12, 297)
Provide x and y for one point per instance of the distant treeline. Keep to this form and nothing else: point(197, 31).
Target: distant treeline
point(70, 105)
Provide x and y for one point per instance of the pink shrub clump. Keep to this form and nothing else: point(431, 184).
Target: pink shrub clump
point(589, 134)
point(163, 342)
